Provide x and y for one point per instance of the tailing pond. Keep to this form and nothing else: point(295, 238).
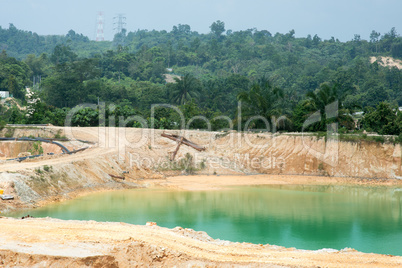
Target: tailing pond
point(368, 219)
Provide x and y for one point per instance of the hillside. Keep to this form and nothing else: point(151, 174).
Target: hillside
point(273, 75)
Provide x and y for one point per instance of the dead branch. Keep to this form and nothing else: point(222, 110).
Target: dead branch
point(183, 140)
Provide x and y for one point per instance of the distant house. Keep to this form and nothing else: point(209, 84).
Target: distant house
point(4, 94)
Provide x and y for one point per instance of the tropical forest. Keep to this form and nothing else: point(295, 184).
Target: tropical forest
point(245, 80)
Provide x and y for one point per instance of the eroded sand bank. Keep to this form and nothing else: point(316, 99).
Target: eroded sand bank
point(217, 182)
point(50, 242)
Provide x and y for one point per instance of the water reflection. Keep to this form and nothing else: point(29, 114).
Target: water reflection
point(310, 217)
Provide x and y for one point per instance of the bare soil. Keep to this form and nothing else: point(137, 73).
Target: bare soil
point(387, 62)
point(50, 242)
point(218, 182)
point(226, 161)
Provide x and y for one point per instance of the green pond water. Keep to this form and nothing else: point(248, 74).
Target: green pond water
point(368, 219)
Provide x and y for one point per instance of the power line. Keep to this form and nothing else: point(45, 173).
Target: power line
point(119, 25)
point(99, 31)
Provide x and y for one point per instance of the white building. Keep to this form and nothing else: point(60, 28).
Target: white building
point(4, 94)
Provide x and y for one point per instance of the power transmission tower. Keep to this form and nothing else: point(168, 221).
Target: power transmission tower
point(99, 31)
point(119, 25)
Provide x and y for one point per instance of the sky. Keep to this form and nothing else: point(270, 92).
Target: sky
point(341, 19)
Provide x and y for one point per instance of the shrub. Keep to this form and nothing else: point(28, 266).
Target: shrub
point(379, 139)
point(36, 148)
point(47, 168)
point(9, 133)
point(321, 166)
point(2, 124)
point(59, 136)
point(187, 164)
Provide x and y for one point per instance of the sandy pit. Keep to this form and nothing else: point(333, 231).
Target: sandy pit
point(50, 242)
point(13, 149)
point(228, 160)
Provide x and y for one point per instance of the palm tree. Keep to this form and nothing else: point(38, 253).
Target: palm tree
point(262, 100)
point(320, 101)
point(185, 88)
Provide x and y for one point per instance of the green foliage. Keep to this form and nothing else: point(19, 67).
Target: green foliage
point(62, 54)
point(21, 43)
point(86, 117)
point(2, 124)
point(321, 166)
point(202, 164)
point(36, 148)
point(216, 69)
point(184, 89)
point(70, 84)
point(48, 168)
point(399, 139)
point(13, 76)
point(383, 120)
point(59, 136)
point(328, 103)
point(217, 28)
point(9, 133)
point(262, 100)
point(187, 164)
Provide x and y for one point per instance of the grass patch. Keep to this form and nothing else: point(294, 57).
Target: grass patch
point(59, 136)
point(370, 138)
point(47, 168)
point(221, 135)
point(9, 133)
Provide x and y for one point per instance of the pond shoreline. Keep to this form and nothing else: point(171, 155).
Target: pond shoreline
point(218, 182)
point(245, 211)
point(211, 183)
point(20, 246)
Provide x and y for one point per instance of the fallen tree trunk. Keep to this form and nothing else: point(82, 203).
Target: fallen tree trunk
point(177, 149)
point(184, 141)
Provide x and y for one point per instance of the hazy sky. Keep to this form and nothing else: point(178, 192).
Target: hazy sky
point(339, 18)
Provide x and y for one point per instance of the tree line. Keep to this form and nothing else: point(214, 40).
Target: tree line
point(272, 75)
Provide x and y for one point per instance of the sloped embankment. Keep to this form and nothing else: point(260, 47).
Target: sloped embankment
point(307, 155)
point(49, 242)
point(59, 176)
point(63, 176)
point(289, 154)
